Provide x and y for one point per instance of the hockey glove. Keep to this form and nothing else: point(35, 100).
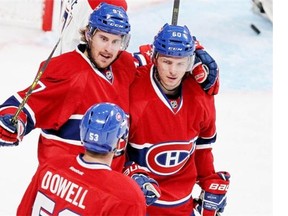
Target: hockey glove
point(212, 199)
point(205, 70)
point(144, 56)
point(149, 186)
point(11, 134)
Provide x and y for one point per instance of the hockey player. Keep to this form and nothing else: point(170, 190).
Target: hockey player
point(99, 70)
point(75, 15)
point(86, 184)
point(205, 69)
point(173, 128)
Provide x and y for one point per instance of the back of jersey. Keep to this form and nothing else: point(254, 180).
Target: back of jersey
point(72, 187)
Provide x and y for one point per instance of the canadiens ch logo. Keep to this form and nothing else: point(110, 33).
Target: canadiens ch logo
point(169, 158)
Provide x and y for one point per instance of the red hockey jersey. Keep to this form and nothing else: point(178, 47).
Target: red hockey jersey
point(71, 186)
point(171, 139)
point(67, 88)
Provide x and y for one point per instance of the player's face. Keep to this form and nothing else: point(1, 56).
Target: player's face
point(104, 48)
point(171, 70)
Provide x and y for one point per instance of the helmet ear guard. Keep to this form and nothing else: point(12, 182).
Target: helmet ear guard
point(125, 41)
point(191, 62)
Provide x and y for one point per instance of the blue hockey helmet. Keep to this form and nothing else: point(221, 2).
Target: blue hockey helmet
point(109, 18)
point(174, 41)
point(102, 126)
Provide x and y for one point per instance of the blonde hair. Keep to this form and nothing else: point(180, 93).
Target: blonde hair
point(83, 33)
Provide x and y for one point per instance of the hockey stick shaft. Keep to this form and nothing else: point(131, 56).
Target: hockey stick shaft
point(175, 12)
point(34, 84)
point(67, 16)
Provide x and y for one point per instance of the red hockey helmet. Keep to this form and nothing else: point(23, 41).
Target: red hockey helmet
point(121, 3)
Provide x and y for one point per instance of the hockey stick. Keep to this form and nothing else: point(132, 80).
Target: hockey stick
point(67, 16)
point(175, 12)
point(33, 85)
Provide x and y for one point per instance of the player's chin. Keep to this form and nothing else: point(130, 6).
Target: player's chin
point(105, 63)
point(172, 84)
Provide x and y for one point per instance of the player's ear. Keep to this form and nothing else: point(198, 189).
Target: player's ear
point(87, 35)
point(154, 58)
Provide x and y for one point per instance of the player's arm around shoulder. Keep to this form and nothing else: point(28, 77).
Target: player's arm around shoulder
point(125, 65)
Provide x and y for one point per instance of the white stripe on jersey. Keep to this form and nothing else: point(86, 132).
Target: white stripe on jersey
point(148, 145)
point(176, 202)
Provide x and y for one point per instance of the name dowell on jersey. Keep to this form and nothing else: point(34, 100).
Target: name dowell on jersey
point(64, 188)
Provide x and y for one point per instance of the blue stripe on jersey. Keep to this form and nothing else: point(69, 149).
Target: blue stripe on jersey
point(206, 140)
point(139, 156)
point(70, 130)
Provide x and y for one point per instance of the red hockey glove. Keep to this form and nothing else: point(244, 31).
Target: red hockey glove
point(144, 56)
point(205, 70)
point(149, 186)
point(212, 199)
point(10, 134)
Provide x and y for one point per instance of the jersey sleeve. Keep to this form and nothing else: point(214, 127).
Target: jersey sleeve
point(208, 134)
point(53, 105)
point(56, 95)
point(27, 201)
point(204, 161)
point(204, 158)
